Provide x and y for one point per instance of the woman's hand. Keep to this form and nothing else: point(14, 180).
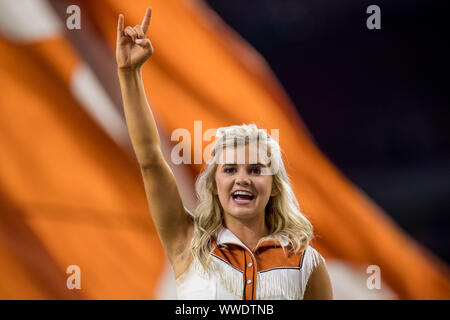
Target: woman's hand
point(133, 48)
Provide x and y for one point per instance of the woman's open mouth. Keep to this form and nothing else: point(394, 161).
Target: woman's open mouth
point(242, 197)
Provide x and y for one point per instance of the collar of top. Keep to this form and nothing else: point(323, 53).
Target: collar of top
point(224, 236)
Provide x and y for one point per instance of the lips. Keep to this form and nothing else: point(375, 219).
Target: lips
point(242, 197)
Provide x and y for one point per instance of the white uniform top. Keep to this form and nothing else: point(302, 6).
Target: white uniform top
point(236, 272)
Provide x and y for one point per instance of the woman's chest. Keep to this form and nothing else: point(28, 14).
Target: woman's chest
point(227, 281)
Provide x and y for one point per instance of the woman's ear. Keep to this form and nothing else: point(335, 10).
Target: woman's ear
point(274, 192)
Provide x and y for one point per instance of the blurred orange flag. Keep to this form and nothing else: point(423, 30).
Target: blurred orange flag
point(69, 196)
point(71, 192)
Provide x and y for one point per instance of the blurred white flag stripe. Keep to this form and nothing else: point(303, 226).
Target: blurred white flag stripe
point(28, 21)
point(87, 90)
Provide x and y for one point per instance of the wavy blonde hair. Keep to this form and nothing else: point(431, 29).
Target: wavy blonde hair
point(284, 219)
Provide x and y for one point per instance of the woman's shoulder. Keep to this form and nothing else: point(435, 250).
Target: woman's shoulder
point(311, 256)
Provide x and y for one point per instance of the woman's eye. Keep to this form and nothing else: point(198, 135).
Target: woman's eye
point(256, 170)
point(228, 170)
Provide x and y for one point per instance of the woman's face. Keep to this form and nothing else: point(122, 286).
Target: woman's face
point(236, 174)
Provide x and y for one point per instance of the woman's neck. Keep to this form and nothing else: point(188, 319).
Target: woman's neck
point(248, 231)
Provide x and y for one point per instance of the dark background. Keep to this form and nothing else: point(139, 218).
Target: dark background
point(376, 101)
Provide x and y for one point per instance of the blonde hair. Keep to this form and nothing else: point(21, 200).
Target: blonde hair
point(284, 219)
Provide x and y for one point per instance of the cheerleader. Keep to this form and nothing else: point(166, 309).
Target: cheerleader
point(247, 238)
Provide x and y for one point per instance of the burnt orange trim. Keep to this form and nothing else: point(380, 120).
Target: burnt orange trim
point(244, 291)
point(249, 289)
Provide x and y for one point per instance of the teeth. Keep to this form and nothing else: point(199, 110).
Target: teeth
point(243, 193)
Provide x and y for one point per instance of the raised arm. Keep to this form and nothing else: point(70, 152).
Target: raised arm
point(133, 49)
point(174, 226)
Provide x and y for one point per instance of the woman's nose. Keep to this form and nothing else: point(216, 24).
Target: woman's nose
point(242, 178)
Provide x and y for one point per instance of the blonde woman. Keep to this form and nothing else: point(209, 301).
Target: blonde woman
point(247, 238)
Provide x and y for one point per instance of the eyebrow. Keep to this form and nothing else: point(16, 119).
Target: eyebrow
point(249, 164)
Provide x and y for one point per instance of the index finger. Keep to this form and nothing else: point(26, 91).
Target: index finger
point(146, 20)
point(120, 25)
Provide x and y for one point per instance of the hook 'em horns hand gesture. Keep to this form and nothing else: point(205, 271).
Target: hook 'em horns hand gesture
point(133, 48)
